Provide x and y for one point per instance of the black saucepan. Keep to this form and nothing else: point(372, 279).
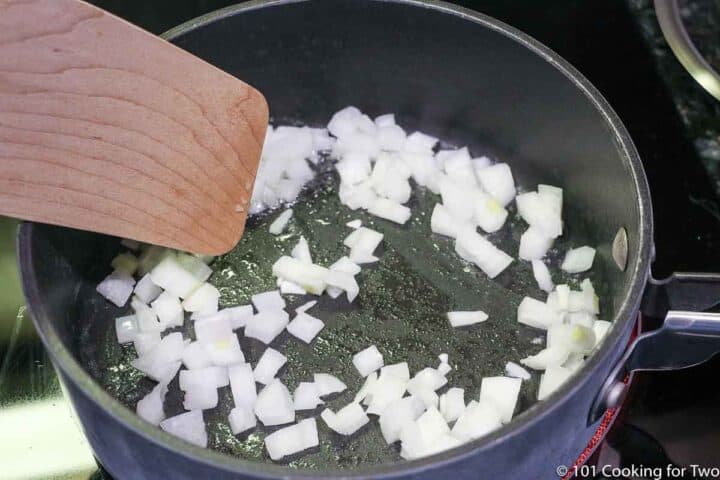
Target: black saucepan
point(469, 80)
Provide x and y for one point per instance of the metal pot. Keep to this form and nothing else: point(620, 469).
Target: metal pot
point(466, 78)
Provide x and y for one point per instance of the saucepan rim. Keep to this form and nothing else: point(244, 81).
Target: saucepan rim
point(638, 271)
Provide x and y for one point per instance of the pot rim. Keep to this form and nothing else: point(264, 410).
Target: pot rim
point(639, 271)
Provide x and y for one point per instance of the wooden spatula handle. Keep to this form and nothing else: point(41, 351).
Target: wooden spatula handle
point(106, 127)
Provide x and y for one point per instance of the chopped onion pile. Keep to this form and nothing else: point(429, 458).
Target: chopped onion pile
point(573, 332)
point(378, 164)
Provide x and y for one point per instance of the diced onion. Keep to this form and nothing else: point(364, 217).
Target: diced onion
point(278, 226)
point(462, 319)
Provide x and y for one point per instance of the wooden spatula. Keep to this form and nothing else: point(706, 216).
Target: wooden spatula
point(106, 127)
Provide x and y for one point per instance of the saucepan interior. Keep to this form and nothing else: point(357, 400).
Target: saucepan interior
point(443, 73)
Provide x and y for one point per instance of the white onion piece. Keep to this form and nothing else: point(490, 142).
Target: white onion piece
point(266, 325)
point(514, 370)
point(269, 364)
point(225, 352)
point(279, 224)
point(301, 251)
point(150, 407)
point(145, 341)
point(585, 319)
point(452, 404)
point(357, 196)
point(427, 397)
point(367, 387)
point(552, 379)
point(170, 275)
point(328, 384)
point(358, 141)
point(126, 328)
point(391, 138)
point(238, 316)
point(292, 439)
point(488, 213)
point(116, 287)
point(546, 358)
point(307, 396)
point(357, 223)
point(344, 264)
point(574, 338)
point(480, 162)
point(309, 277)
point(212, 329)
point(268, 301)
point(399, 370)
point(242, 385)
point(125, 262)
point(478, 419)
point(212, 376)
point(195, 356)
point(462, 319)
point(542, 276)
point(385, 120)
point(457, 165)
point(169, 311)
point(200, 397)
point(368, 360)
point(498, 181)
point(195, 265)
point(306, 306)
point(305, 327)
point(397, 415)
point(354, 168)
point(578, 260)
point(423, 168)
point(146, 290)
point(458, 199)
point(241, 419)
point(163, 359)
point(147, 319)
point(321, 140)
point(537, 314)
point(344, 121)
point(390, 210)
point(574, 362)
point(534, 244)
point(426, 379)
point(204, 299)
point(386, 390)
point(420, 142)
point(429, 434)
point(343, 281)
point(503, 393)
point(347, 420)
point(539, 211)
point(474, 248)
point(188, 426)
point(601, 328)
point(363, 240)
point(274, 405)
point(552, 195)
point(289, 288)
point(444, 223)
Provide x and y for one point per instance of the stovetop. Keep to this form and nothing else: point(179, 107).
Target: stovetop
point(669, 417)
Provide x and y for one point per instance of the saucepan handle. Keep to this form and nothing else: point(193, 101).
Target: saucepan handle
point(688, 336)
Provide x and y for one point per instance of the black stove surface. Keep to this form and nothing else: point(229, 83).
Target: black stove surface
point(670, 418)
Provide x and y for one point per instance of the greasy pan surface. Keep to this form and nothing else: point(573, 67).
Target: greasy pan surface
point(445, 73)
